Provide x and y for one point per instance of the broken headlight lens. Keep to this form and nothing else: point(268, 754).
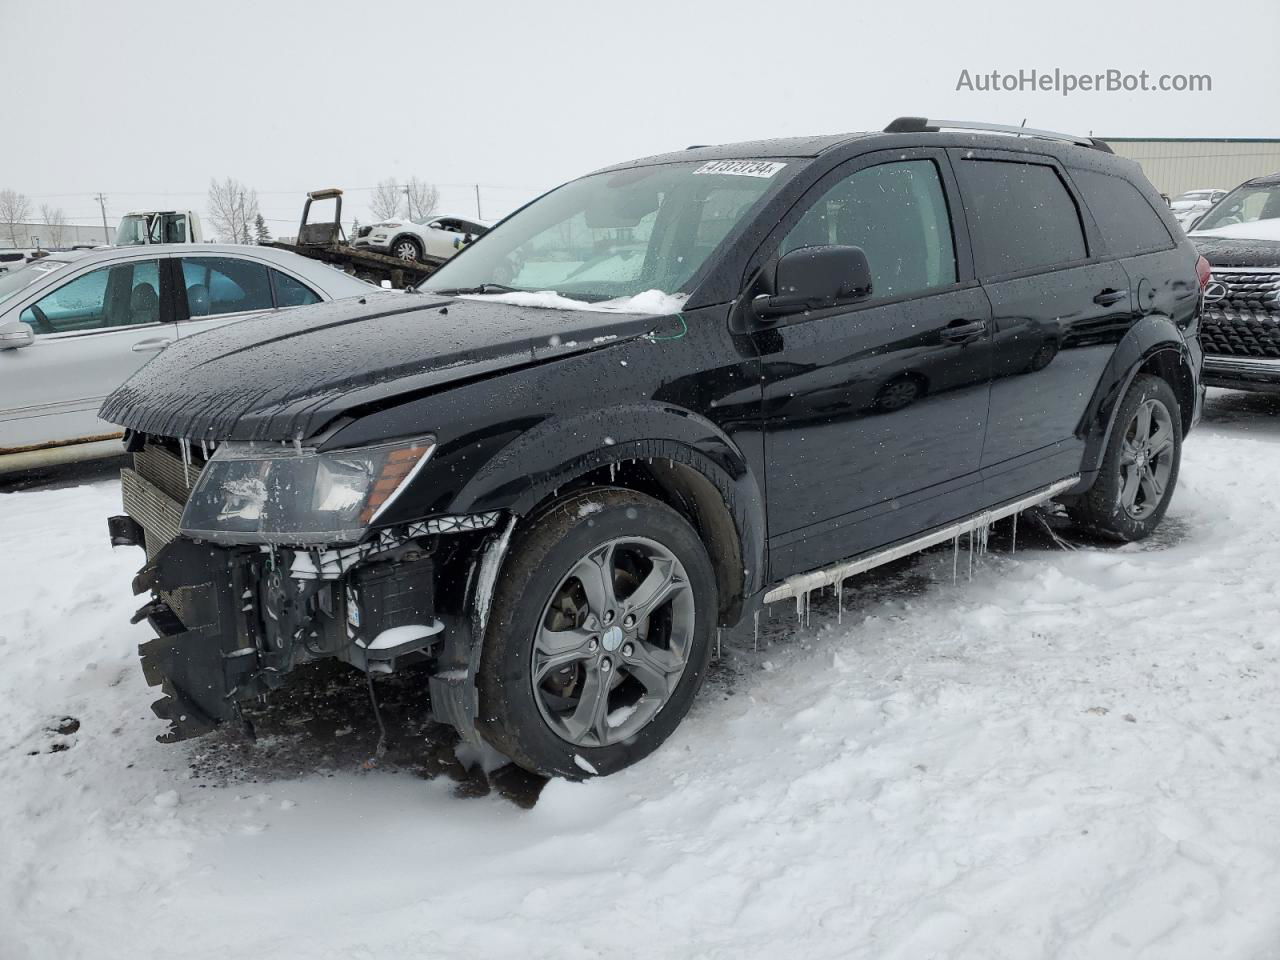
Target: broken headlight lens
point(270, 493)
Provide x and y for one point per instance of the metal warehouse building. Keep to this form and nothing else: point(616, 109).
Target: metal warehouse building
point(1176, 166)
point(41, 234)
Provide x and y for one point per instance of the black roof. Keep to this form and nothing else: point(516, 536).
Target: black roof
point(1270, 180)
point(748, 150)
point(906, 130)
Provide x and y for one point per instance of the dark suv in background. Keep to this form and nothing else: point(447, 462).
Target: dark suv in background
point(765, 367)
point(1240, 329)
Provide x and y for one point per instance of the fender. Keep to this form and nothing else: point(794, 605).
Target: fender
point(559, 450)
point(1153, 334)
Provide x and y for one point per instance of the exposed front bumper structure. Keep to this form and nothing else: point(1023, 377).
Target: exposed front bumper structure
point(233, 621)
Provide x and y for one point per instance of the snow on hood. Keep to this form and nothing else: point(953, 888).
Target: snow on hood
point(1257, 230)
point(653, 302)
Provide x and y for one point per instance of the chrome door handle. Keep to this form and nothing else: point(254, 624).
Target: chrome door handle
point(155, 343)
point(959, 330)
point(1109, 297)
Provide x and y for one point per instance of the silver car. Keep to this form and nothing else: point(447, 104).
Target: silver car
point(74, 326)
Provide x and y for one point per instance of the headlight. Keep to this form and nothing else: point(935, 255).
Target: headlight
point(265, 493)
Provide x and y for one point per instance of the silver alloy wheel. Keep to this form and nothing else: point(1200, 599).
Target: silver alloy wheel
point(613, 642)
point(406, 250)
point(1146, 458)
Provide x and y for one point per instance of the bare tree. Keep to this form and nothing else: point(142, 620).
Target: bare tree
point(421, 199)
point(387, 199)
point(233, 208)
point(14, 210)
point(56, 221)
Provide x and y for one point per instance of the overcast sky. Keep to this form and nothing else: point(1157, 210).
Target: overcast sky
point(146, 101)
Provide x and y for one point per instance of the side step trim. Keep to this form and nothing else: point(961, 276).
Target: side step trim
point(829, 576)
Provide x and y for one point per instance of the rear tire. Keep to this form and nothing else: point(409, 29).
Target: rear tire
point(581, 676)
point(1140, 468)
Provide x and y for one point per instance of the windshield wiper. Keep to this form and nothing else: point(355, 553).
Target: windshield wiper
point(483, 288)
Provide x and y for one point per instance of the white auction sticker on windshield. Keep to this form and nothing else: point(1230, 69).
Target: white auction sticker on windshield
point(742, 168)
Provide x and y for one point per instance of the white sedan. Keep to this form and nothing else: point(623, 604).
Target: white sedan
point(74, 326)
point(1194, 203)
point(438, 238)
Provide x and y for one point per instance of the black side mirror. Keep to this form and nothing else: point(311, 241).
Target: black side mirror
point(812, 278)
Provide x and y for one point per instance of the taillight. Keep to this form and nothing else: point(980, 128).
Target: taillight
point(1203, 272)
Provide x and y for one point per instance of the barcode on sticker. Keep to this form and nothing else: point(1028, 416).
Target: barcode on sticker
point(742, 168)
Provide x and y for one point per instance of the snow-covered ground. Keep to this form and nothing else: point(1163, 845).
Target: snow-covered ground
point(1074, 755)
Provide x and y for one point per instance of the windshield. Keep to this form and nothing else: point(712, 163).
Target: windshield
point(617, 234)
point(132, 231)
point(15, 281)
point(1244, 204)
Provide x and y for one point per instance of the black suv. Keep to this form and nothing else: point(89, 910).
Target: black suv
point(765, 367)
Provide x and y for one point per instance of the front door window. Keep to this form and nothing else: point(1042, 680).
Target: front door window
point(124, 295)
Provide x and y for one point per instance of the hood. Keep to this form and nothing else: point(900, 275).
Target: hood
point(1268, 229)
point(287, 375)
point(1225, 251)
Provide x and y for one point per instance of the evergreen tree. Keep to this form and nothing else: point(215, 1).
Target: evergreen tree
point(260, 229)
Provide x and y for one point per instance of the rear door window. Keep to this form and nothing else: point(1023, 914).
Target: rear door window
point(1129, 226)
point(124, 295)
point(219, 285)
point(1022, 216)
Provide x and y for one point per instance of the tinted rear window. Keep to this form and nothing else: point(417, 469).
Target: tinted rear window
point(1129, 226)
point(1022, 216)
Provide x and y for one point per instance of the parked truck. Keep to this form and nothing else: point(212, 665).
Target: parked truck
point(158, 226)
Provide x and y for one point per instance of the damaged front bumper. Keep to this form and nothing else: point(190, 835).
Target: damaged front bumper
point(233, 621)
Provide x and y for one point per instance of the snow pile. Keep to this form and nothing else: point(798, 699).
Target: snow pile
point(650, 302)
point(1073, 755)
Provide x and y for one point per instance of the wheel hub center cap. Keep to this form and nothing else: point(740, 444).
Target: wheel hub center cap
point(611, 639)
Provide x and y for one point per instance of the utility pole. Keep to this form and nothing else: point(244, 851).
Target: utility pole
point(479, 215)
point(102, 203)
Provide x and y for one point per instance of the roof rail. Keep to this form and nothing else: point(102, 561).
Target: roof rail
point(923, 125)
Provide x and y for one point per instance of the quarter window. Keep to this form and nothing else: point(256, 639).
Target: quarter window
point(1128, 223)
point(124, 295)
point(1021, 215)
point(897, 213)
point(291, 292)
point(218, 285)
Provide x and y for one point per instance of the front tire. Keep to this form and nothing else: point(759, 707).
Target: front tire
point(599, 635)
point(407, 249)
point(1140, 469)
